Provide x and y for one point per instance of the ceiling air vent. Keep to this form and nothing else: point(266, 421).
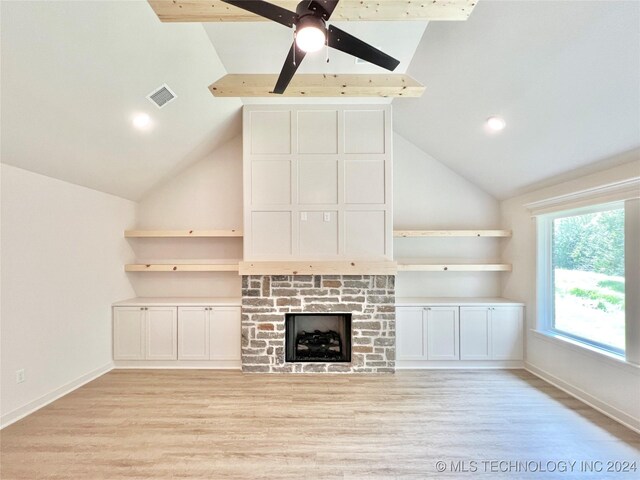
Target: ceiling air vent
point(161, 96)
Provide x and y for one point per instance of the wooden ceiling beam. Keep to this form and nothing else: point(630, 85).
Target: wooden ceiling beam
point(318, 85)
point(349, 10)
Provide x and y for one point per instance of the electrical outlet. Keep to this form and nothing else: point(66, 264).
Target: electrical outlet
point(303, 216)
point(327, 216)
point(20, 376)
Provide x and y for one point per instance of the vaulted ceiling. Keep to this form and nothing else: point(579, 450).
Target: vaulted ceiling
point(564, 75)
point(74, 74)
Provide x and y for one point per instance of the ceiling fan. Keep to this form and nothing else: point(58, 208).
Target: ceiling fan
point(311, 34)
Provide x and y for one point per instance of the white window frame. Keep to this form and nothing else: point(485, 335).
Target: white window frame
point(545, 284)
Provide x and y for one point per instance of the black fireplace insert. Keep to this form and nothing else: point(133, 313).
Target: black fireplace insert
point(318, 337)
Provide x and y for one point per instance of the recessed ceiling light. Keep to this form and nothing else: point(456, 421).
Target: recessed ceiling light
point(141, 121)
point(496, 123)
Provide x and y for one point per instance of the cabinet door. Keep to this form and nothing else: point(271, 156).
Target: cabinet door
point(225, 333)
point(162, 333)
point(410, 333)
point(193, 333)
point(506, 333)
point(128, 333)
point(442, 333)
point(475, 333)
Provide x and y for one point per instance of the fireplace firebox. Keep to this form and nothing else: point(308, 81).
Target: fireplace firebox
point(318, 337)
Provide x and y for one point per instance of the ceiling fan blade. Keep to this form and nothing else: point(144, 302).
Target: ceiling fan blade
point(327, 6)
point(347, 43)
point(266, 10)
point(289, 68)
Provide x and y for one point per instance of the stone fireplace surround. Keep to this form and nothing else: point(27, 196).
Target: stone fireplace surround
point(369, 298)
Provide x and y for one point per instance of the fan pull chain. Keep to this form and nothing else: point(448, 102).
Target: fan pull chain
point(294, 48)
point(326, 42)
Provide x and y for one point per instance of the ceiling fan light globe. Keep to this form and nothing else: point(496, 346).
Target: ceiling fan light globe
point(310, 39)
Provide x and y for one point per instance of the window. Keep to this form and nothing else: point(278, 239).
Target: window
point(582, 275)
point(587, 273)
point(587, 265)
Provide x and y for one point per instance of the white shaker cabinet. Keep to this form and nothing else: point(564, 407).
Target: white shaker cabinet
point(145, 333)
point(193, 333)
point(475, 333)
point(507, 333)
point(482, 335)
point(129, 333)
point(427, 333)
point(225, 333)
point(410, 334)
point(491, 333)
point(442, 333)
point(209, 333)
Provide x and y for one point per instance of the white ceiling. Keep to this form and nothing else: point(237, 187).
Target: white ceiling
point(73, 74)
point(564, 75)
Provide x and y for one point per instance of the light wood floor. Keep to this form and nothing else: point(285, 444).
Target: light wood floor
point(213, 425)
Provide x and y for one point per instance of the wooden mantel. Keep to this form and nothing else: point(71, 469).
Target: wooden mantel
point(350, 10)
point(355, 267)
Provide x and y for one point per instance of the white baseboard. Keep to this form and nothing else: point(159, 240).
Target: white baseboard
point(610, 411)
point(179, 364)
point(21, 412)
point(458, 364)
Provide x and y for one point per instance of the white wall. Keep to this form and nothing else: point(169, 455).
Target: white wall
point(426, 195)
point(430, 196)
point(612, 387)
point(206, 196)
point(62, 266)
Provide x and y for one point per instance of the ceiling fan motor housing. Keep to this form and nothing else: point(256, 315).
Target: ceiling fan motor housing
point(309, 18)
point(305, 8)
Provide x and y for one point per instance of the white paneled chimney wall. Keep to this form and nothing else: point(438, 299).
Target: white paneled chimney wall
point(318, 182)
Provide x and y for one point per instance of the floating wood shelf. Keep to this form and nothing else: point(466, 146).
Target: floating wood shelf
point(351, 10)
point(178, 267)
point(318, 268)
point(181, 233)
point(422, 267)
point(318, 85)
point(451, 233)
